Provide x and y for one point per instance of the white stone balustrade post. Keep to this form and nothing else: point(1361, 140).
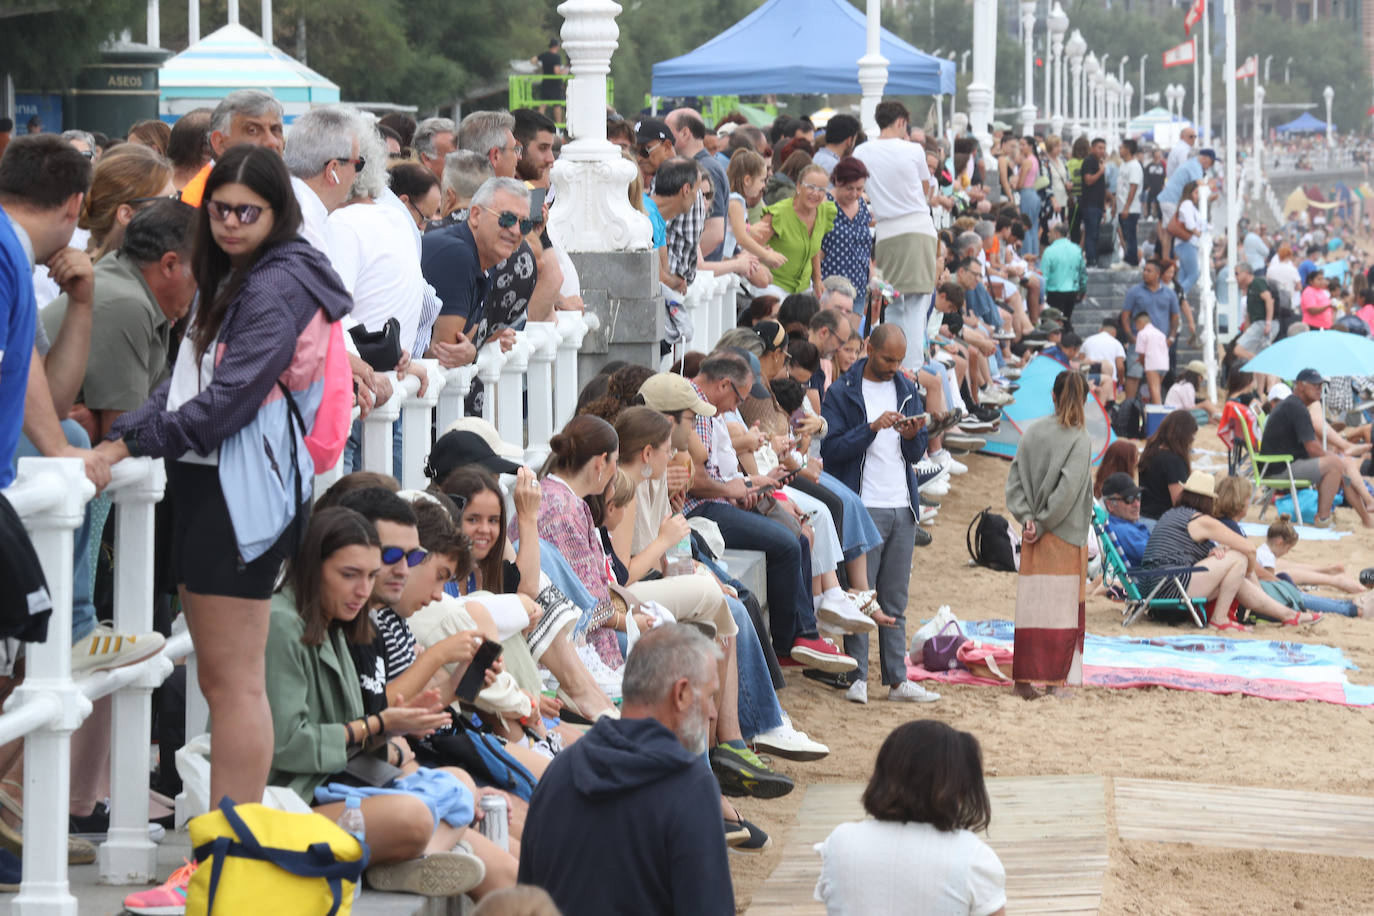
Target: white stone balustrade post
point(726, 285)
point(872, 68)
point(544, 338)
point(510, 391)
point(490, 359)
point(457, 384)
point(983, 87)
point(591, 209)
point(417, 421)
point(573, 327)
point(48, 685)
point(128, 856)
point(324, 479)
point(377, 426)
point(1028, 77)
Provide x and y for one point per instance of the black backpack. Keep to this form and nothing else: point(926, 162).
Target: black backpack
point(989, 541)
point(1129, 422)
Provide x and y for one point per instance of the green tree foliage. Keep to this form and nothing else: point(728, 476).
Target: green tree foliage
point(656, 30)
point(44, 50)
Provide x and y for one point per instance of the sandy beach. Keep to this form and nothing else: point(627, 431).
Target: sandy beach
point(1146, 733)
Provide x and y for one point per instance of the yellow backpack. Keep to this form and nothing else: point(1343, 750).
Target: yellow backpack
point(304, 864)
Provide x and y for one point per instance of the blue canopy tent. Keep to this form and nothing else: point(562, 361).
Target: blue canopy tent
point(798, 46)
point(1304, 124)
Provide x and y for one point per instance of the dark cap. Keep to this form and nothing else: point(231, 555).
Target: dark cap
point(772, 335)
point(455, 449)
point(647, 130)
point(1311, 376)
point(1209, 153)
point(1051, 313)
point(1120, 486)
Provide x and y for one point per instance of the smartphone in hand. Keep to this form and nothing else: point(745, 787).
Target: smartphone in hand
point(476, 676)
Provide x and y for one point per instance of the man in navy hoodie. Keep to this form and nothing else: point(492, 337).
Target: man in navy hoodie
point(627, 820)
point(877, 432)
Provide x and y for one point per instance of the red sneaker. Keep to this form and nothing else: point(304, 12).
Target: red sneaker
point(821, 654)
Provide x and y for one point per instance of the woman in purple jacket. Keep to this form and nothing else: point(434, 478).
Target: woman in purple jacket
point(237, 466)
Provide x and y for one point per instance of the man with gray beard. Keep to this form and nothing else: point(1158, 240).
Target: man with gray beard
point(635, 795)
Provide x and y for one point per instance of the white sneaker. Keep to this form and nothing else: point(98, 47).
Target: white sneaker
point(911, 692)
point(994, 396)
point(857, 692)
point(106, 648)
point(937, 487)
point(928, 515)
point(606, 677)
point(949, 462)
point(928, 465)
point(785, 741)
point(840, 611)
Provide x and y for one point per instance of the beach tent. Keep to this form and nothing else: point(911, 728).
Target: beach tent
point(798, 46)
point(236, 58)
point(1304, 124)
point(1035, 399)
point(1147, 122)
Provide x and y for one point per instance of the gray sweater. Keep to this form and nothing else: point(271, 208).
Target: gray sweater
point(1050, 480)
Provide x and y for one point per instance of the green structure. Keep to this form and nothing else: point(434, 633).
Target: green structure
point(119, 91)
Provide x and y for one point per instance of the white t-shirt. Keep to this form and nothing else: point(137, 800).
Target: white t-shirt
point(1284, 275)
point(1129, 174)
point(373, 250)
point(1103, 348)
point(897, 176)
point(1181, 396)
point(189, 378)
point(1265, 557)
point(1177, 156)
point(45, 288)
point(1190, 218)
point(884, 475)
point(314, 217)
point(871, 867)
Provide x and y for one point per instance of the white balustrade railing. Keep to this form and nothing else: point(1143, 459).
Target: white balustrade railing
point(531, 390)
point(710, 303)
point(50, 495)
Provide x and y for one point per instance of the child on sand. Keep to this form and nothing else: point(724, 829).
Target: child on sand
point(1283, 537)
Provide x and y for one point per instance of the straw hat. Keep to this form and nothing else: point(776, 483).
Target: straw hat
point(1201, 483)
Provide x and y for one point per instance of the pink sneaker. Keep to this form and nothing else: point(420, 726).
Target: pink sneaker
point(821, 653)
point(169, 899)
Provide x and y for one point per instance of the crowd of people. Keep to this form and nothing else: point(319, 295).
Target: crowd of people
point(184, 295)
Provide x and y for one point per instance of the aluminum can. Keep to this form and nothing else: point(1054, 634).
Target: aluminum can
point(495, 823)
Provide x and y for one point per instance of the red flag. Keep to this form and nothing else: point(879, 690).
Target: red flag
point(1194, 15)
point(1179, 55)
point(1249, 68)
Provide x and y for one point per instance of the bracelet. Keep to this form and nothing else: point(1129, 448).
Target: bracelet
point(348, 731)
point(381, 725)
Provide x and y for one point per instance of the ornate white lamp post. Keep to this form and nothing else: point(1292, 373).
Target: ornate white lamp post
point(1075, 50)
point(1058, 24)
point(1092, 72)
point(872, 70)
point(1328, 93)
point(1127, 91)
point(982, 89)
point(1028, 56)
point(1256, 148)
point(591, 210)
point(1112, 87)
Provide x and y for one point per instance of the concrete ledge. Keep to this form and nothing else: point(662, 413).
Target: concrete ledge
point(750, 567)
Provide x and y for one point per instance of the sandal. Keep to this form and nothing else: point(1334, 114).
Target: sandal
point(1296, 619)
point(744, 836)
point(1230, 625)
point(571, 714)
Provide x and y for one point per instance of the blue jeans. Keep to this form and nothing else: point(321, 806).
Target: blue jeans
point(1030, 206)
point(759, 710)
point(353, 449)
point(1092, 222)
point(889, 570)
point(1186, 252)
point(860, 534)
point(981, 303)
point(1128, 239)
point(83, 608)
point(1321, 605)
point(790, 612)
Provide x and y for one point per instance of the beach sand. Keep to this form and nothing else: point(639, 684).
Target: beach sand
point(1149, 733)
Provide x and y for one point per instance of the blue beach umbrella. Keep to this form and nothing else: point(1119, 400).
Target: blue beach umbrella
point(1329, 352)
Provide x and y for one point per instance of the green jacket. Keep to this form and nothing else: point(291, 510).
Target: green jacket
point(1063, 267)
point(312, 690)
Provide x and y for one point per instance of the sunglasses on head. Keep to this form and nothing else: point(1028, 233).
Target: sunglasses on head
point(246, 214)
point(392, 555)
point(175, 195)
point(505, 219)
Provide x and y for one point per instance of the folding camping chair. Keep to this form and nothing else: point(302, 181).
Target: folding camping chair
point(1268, 488)
point(1128, 579)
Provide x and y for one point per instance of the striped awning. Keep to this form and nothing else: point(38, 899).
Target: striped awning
point(234, 57)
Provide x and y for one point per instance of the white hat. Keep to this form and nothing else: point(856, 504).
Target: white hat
point(1279, 392)
point(487, 432)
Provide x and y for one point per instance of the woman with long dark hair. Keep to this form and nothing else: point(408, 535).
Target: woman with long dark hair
point(1165, 465)
point(1049, 490)
point(238, 468)
point(917, 851)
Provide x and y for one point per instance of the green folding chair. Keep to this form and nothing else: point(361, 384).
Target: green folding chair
point(1139, 586)
point(1267, 488)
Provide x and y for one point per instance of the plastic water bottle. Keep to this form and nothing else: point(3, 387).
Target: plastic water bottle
point(352, 821)
point(680, 558)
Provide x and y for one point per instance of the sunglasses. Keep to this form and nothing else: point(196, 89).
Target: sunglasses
point(1133, 499)
point(356, 163)
point(246, 214)
point(735, 389)
point(175, 195)
point(507, 219)
point(392, 555)
point(646, 151)
point(460, 502)
point(89, 154)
